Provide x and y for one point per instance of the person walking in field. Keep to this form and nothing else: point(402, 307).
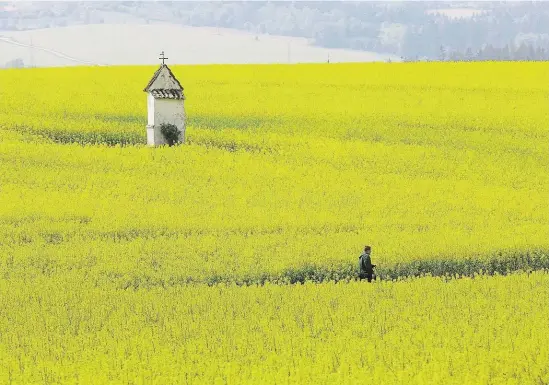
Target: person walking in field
point(365, 267)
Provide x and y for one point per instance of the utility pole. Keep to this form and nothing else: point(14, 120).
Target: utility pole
point(289, 53)
point(31, 53)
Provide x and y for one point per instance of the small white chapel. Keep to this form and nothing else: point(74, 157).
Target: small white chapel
point(165, 105)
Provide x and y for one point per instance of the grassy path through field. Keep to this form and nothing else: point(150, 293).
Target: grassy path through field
point(501, 264)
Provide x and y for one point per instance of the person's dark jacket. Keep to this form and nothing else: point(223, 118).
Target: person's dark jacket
point(365, 264)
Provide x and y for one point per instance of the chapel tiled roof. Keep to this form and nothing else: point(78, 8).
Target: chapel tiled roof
point(167, 94)
point(164, 85)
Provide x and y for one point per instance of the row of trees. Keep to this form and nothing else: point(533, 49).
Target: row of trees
point(15, 63)
point(523, 52)
point(509, 52)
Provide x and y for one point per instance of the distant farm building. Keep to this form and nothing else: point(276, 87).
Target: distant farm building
point(165, 106)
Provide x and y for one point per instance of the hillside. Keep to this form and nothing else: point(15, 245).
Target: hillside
point(414, 30)
point(134, 44)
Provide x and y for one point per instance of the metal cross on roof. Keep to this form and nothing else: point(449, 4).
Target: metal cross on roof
point(162, 57)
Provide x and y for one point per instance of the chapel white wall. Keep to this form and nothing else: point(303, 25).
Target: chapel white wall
point(164, 111)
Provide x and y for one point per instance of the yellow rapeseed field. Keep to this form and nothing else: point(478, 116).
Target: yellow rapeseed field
point(286, 166)
point(468, 331)
point(108, 248)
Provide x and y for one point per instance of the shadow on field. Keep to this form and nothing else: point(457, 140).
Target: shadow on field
point(133, 132)
point(231, 145)
point(95, 138)
point(245, 122)
point(84, 138)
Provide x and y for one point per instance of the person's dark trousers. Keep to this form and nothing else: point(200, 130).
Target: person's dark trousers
point(367, 276)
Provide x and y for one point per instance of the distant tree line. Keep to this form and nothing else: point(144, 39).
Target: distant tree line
point(519, 31)
point(509, 52)
point(15, 63)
